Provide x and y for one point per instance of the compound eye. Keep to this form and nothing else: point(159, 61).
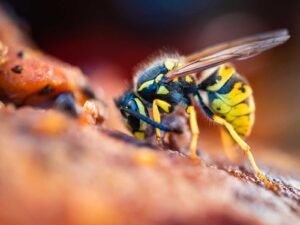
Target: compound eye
point(129, 105)
point(132, 105)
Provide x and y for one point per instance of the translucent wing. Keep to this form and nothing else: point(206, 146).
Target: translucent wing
point(239, 49)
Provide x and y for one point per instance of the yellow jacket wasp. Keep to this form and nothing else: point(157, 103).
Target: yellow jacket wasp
point(170, 81)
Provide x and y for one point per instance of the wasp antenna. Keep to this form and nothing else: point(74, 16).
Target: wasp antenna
point(151, 122)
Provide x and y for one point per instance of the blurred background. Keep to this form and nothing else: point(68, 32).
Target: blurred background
point(108, 38)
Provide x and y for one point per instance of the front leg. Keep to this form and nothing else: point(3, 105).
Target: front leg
point(195, 131)
point(165, 106)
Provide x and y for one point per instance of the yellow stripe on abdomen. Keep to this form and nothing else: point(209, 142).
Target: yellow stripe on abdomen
point(241, 116)
point(239, 93)
point(224, 73)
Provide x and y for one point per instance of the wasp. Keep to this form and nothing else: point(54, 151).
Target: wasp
point(170, 81)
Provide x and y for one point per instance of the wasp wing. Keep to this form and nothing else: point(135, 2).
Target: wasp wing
point(239, 49)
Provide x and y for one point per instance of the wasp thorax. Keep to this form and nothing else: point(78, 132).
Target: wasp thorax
point(149, 80)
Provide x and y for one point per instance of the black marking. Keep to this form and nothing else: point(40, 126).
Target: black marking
point(133, 122)
point(228, 86)
point(20, 54)
point(17, 69)
point(187, 87)
point(211, 80)
point(218, 77)
point(218, 108)
point(212, 96)
point(242, 88)
point(46, 90)
point(148, 93)
point(204, 107)
point(175, 94)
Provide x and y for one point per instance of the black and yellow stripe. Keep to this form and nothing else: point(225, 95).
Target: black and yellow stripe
point(230, 97)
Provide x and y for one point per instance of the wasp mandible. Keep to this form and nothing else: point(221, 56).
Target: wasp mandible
point(170, 81)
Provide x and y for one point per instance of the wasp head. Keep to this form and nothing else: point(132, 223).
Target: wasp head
point(130, 105)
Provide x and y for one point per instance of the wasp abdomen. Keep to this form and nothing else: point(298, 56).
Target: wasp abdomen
point(233, 100)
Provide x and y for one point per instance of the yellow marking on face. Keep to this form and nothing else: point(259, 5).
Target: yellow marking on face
point(165, 106)
point(139, 135)
point(225, 72)
point(170, 64)
point(143, 124)
point(162, 90)
point(158, 78)
point(140, 106)
point(220, 107)
point(145, 85)
point(189, 79)
point(236, 96)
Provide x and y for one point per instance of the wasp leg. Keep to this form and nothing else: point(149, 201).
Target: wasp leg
point(156, 114)
point(66, 102)
point(195, 131)
point(244, 146)
point(228, 145)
